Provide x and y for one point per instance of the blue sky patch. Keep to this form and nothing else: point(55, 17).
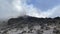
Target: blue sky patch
point(44, 4)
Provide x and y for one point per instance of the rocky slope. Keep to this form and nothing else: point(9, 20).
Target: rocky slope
point(32, 25)
point(33, 20)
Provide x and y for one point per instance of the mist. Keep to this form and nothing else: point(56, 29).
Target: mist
point(15, 8)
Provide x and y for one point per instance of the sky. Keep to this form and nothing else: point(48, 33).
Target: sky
point(35, 8)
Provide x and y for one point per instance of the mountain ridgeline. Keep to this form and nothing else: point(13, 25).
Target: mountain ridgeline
point(34, 20)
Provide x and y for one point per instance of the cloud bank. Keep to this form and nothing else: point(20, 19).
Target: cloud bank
point(15, 8)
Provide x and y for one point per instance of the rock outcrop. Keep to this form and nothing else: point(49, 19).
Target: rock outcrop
point(34, 20)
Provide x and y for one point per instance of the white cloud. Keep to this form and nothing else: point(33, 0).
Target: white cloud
point(6, 9)
point(55, 11)
point(14, 8)
point(33, 11)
